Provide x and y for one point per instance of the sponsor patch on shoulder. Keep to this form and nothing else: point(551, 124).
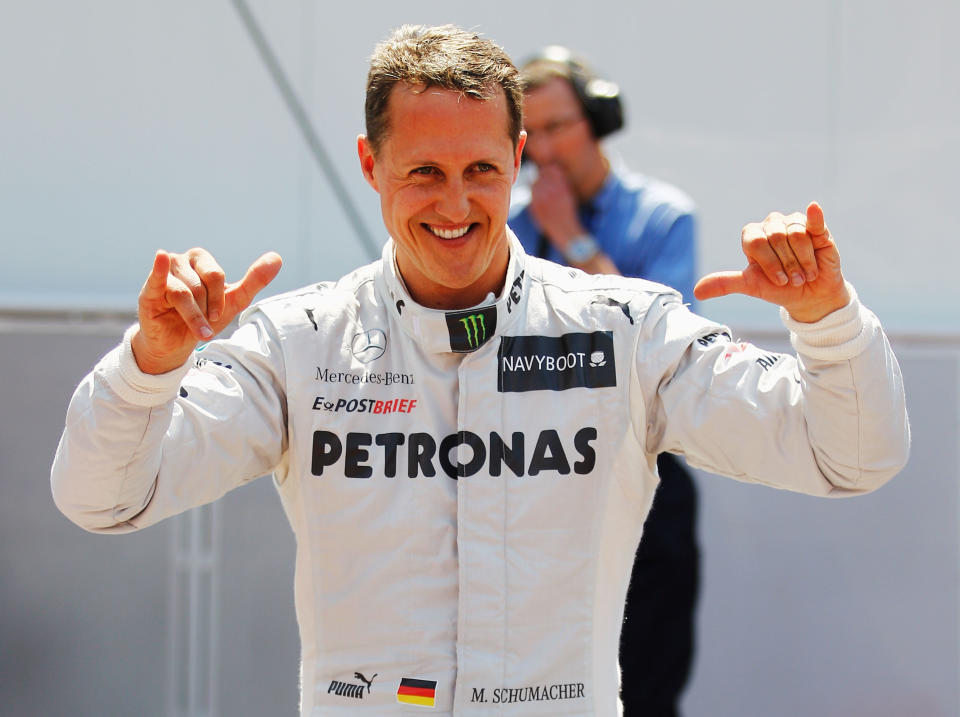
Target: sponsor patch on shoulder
point(737, 351)
point(708, 340)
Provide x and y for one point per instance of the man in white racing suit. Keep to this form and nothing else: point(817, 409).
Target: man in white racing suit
point(464, 438)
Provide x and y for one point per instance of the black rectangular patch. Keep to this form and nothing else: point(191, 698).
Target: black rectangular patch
point(469, 330)
point(556, 363)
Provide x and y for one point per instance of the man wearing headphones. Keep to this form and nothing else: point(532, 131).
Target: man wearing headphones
point(583, 211)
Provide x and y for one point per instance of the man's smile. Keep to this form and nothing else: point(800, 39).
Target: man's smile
point(454, 233)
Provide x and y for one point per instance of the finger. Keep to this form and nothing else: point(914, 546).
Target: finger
point(817, 227)
point(815, 221)
point(796, 218)
point(183, 270)
point(551, 172)
point(775, 229)
point(213, 279)
point(720, 283)
point(801, 244)
point(156, 283)
point(550, 182)
point(181, 298)
point(261, 272)
point(757, 248)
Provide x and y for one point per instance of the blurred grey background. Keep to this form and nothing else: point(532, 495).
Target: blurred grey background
point(126, 126)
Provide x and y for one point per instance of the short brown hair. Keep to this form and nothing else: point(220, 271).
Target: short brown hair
point(447, 57)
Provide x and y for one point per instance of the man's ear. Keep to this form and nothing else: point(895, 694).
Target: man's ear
point(367, 161)
point(518, 154)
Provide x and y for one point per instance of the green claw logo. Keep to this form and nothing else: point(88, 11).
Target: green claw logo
point(475, 328)
point(469, 330)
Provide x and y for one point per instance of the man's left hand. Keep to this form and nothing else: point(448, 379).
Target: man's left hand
point(792, 261)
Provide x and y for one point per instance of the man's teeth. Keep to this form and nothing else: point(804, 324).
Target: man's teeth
point(450, 233)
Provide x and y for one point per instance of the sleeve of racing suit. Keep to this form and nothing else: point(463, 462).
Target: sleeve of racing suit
point(138, 448)
point(830, 421)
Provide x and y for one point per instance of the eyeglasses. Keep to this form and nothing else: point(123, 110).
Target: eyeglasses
point(553, 127)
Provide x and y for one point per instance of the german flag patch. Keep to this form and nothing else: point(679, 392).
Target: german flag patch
point(417, 692)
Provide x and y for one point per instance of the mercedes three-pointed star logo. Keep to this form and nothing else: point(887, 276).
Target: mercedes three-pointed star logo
point(369, 345)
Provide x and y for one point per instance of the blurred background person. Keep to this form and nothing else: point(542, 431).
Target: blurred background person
point(582, 209)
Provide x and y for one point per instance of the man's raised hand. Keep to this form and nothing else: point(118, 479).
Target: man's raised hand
point(185, 300)
point(553, 205)
point(792, 261)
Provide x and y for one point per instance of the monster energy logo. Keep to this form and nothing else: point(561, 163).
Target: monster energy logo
point(469, 330)
point(476, 334)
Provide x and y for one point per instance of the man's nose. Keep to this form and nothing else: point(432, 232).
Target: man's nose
point(453, 202)
point(539, 148)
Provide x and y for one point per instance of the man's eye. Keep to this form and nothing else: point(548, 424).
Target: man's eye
point(424, 171)
point(484, 167)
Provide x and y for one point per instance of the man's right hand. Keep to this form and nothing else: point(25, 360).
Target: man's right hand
point(186, 300)
point(553, 205)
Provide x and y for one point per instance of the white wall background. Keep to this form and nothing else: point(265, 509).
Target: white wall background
point(128, 125)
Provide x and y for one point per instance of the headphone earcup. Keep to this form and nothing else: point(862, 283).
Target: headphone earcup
point(601, 102)
point(600, 98)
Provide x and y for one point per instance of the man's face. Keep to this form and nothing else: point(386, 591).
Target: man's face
point(557, 129)
point(444, 173)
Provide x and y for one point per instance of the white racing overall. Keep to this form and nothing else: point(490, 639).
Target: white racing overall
point(468, 488)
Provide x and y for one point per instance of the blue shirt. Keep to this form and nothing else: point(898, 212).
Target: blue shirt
point(644, 225)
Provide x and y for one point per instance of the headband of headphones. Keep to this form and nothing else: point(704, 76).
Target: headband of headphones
point(600, 98)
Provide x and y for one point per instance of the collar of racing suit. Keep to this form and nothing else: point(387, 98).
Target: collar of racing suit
point(462, 331)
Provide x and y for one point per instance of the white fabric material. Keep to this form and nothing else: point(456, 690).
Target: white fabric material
point(133, 385)
point(504, 582)
point(837, 336)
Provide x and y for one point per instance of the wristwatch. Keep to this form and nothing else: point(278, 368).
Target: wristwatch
point(581, 249)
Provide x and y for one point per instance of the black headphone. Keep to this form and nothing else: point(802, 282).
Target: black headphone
point(600, 98)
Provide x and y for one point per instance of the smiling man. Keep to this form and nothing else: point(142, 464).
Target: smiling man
point(467, 500)
point(444, 176)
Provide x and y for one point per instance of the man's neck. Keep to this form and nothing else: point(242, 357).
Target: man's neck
point(433, 295)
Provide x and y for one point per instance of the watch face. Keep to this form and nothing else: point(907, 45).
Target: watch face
point(581, 249)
